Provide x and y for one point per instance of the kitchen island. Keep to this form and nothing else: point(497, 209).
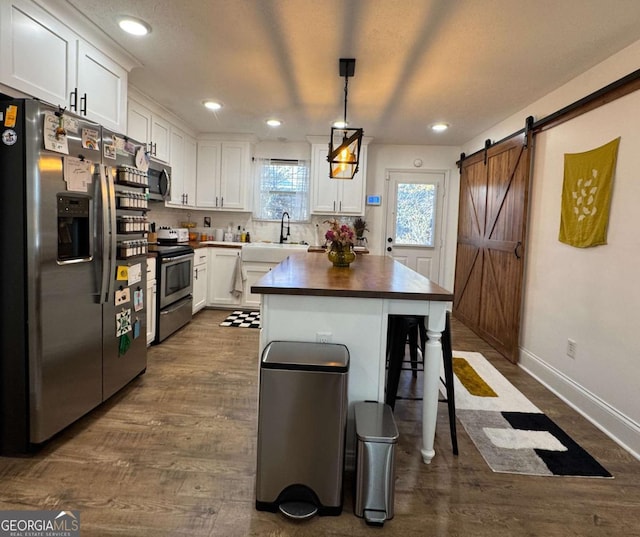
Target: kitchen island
point(305, 298)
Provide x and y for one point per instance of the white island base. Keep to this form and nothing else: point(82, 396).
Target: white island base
point(361, 325)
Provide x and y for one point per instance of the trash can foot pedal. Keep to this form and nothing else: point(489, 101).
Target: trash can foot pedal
point(375, 517)
point(298, 510)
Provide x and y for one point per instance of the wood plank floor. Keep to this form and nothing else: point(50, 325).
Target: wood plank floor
point(174, 453)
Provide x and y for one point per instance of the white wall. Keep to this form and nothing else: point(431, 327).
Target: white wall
point(589, 295)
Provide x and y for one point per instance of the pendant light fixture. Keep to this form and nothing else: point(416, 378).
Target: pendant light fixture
point(345, 142)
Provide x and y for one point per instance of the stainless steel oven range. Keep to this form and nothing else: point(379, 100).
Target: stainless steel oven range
point(174, 275)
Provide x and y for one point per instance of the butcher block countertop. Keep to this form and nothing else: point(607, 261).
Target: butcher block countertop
point(369, 276)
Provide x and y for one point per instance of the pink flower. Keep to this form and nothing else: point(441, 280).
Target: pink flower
point(339, 235)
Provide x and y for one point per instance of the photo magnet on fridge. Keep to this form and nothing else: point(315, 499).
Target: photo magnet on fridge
point(122, 296)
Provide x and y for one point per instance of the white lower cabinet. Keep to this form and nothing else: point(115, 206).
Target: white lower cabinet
point(151, 300)
point(200, 283)
point(221, 272)
point(253, 271)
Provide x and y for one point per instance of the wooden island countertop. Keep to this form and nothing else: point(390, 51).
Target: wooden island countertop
point(369, 276)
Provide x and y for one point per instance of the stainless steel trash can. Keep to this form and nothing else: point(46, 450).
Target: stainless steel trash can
point(302, 419)
point(376, 438)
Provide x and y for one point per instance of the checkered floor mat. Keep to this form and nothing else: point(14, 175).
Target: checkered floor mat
point(243, 319)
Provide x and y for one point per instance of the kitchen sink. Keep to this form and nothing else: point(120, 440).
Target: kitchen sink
point(270, 252)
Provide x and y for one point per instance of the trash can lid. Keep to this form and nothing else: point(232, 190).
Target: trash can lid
point(375, 423)
point(306, 356)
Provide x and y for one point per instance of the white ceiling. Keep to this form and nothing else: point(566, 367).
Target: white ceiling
point(470, 63)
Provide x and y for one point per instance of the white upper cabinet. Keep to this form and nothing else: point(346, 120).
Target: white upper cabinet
point(183, 180)
point(139, 123)
point(151, 129)
point(101, 89)
point(37, 53)
point(336, 196)
point(42, 57)
point(223, 175)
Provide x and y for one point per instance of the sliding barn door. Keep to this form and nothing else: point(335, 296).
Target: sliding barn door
point(491, 234)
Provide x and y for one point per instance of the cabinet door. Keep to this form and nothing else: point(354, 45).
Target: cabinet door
point(178, 195)
point(161, 138)
point(254, 272)
point(102, 88)
point(189, 170)
point(352, 192)
point(199, 287)
point(139, 123)
point(222, 264)
point(336, 196)
point(233, 175)
point(324, 191)
point(208, 174)
point(37, 53)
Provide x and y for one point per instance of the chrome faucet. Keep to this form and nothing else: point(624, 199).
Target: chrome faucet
point(284, 237)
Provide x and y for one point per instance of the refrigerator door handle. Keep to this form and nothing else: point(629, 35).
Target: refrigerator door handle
point(109, 238)
point(112, 229)
point(104, 195)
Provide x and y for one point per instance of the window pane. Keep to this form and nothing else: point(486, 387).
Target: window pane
point(415, 207)
point(282, 186)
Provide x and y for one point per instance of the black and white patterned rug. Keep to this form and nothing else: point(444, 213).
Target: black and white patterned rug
point(242, 319)
point(511, 433)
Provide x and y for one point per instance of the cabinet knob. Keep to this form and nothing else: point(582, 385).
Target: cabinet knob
point(389, 239)
point(389, 248)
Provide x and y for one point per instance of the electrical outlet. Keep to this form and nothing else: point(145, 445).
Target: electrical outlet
point(323, 337)
point(571, 348)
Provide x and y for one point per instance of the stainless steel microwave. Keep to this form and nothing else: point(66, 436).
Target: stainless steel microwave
point(159, 181)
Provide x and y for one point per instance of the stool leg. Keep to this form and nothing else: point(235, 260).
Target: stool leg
point(447, 356)
point(397, 344)
point(413, 349)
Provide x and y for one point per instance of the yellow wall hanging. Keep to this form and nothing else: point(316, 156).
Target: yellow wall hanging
point(586, 195)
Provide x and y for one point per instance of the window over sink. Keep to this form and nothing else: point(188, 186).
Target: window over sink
point(281, 185)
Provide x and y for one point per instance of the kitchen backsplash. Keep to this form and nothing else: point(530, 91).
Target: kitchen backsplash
point(311, 233)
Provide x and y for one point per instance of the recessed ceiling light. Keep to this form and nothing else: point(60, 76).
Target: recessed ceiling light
point(212, 105)
point(134, 26)
point(340, 124)
point(439, 127)
point(274, 122)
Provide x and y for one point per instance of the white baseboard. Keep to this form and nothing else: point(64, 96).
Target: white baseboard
point(619, 427)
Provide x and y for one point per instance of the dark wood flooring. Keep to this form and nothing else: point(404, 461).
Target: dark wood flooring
point(174, 454)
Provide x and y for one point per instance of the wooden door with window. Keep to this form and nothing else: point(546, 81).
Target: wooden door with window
point(492, 217)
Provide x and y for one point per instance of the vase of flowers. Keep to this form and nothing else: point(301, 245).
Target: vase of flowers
point(340, 243)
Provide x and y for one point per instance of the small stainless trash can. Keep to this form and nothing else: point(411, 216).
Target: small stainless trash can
point(302, 418)
point(376, 438)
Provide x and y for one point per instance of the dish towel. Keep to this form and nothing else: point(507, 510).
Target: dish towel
point(237, 282)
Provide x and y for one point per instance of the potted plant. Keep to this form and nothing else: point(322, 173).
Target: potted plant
point(359, 226)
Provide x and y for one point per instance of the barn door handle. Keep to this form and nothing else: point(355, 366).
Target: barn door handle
point(515, 250)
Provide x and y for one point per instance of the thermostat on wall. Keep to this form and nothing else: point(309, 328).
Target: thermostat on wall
point(374, 200)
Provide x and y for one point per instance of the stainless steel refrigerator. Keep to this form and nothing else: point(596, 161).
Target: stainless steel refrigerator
point(73, 271)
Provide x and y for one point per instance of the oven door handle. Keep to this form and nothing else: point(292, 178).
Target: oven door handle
point(178, 258)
